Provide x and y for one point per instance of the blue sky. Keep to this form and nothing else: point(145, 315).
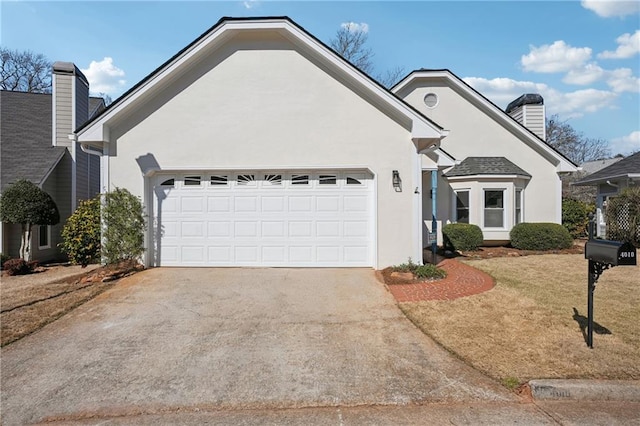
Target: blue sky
point(582, 56)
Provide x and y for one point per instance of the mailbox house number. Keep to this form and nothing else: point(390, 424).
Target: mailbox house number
point(628, 254)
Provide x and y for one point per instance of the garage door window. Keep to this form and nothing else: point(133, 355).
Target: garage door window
point(169, 183)
point(219, 180)
point(299, 179)
point(192, 180)
point(327, 179)
point(352, 180)
point(246, 180)
point(273, 180)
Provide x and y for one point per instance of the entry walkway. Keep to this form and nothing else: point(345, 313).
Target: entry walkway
point(462, 280)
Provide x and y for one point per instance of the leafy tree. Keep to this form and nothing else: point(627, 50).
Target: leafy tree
point(24, 71)
point(124, 226)
point(351, 44)
point(575, 216)
point(81, 233)
point(573, 144)
point(26, 204)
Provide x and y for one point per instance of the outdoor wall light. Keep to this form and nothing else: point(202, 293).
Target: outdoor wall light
point(397, 182)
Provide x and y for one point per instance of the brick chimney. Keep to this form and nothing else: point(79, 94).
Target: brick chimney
point(528, 110)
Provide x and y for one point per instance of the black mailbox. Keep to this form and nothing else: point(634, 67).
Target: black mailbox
point(611, 252)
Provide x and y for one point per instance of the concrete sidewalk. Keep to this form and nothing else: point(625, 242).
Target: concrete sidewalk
point(585, 390)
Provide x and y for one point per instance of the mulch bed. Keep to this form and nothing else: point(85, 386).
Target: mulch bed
point(491, 252)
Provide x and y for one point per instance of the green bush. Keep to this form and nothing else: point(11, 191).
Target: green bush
point(623, 217)
point(124, 227)
point(430, 271)
point(540, 236)
point(81, 233)
point(575, 216)
point(462, 236)
point(420, 271)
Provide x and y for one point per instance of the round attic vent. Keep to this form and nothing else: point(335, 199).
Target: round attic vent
point(431, 100)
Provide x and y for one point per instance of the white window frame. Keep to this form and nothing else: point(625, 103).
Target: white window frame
point(48, 245)
point(515, 200)
point(455, 204)
point(504, 208)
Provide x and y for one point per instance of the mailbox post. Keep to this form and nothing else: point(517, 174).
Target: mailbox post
point(602, 255)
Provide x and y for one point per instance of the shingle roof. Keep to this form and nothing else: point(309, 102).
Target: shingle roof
point(472, 166)
point(25, 137)
point(593, 166)
point(623, 168)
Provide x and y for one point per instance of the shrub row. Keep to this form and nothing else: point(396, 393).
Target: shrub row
point(540, 236)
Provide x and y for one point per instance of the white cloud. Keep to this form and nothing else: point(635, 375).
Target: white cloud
point(104, 77)
point(588, 74)
point(628, 46)
point(609, 8)
point(575, 104)
point(354, 27)
point(557, 57)
point(626, 144)
point(250, 4)
point(623, 80)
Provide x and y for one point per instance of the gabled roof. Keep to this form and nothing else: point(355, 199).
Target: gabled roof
point(627, 168)
point(25, 132)
point(422, 128)
point(563, 164)
point(477, 166)
point(589, 167)
point(96, 106)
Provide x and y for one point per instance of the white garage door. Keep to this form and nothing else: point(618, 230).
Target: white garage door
point(255, 218)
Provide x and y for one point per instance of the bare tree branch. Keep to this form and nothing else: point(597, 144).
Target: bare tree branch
point(390, 77)
point(24, 71)
point(351, 44)
point(573, 144)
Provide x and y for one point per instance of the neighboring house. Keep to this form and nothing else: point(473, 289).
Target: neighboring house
point(258, 145)
point(35, 145)
point(609, 181)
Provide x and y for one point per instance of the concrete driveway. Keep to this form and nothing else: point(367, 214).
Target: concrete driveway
point(172, 340)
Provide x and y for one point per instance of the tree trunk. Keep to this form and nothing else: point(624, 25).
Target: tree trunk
point(25, 246)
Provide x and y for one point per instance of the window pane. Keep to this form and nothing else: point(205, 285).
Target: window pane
point(462, 199)
point(327, 179)
point(299, 179)
point(246, 179)
point(273, 179)
point(219, 180)
point(192, 180)
point(43, 232)
point(353, 181)
point(168, 182)
point(462, 206)
point(493, 199)
point(518, 206)
point(493, 218)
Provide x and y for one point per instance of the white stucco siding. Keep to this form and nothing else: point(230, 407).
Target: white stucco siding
point(273, 109)
point(473, 133)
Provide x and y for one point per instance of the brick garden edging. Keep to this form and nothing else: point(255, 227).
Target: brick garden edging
point(462, 280)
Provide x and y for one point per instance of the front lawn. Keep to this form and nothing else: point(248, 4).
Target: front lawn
point(532, 324)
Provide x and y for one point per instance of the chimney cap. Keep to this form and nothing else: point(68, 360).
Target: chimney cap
point(526, 99)
point(61, 67)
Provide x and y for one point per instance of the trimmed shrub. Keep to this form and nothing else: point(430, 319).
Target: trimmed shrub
point(3, 258)
point(623, 217)
point(406, 267)
point(462, 236)
point(540, 236)
point(19, 266)
point(124, 227)
point(430, 271)
point(81, 233)
point(575, 216)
